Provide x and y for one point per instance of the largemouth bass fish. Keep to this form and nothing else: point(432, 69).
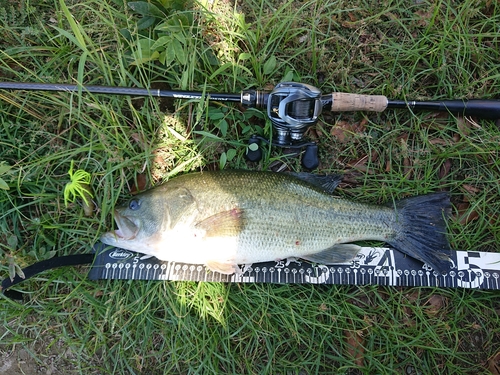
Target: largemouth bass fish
point(226, 218)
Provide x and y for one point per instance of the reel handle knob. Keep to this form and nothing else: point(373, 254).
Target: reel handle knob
point(256, 154)
point(310, 158)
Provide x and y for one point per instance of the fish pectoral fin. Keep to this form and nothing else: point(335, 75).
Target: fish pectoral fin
point(221, 267)
point(223, 224)
point(336, 254)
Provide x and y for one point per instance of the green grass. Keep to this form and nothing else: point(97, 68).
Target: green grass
point(402, 49)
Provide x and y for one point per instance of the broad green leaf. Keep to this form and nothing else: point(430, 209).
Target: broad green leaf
point(223, 125)
point(126, 34)
point(172, 25)
point(246, 129)
point(178, 4)
point(180, 37)
point(3, 185)
point(180, 54)
point(184, 80)
point(215, 114)
point(231, 153)
point(12, 271)
point(144, 45)
point(146, 22)
point(244, 56)
point(209, 56)
point(161, 42)
point(144, 52)
point(223, 160)
point(12, 241)
point(183, 20)
point(288, 76)
point(174, 4)
point(4, 167)
point(270, 65)
point(146, 9)
point(169, 54)
point(250, 112)
point(253, 146)
point(163, 57)
point(20, 272)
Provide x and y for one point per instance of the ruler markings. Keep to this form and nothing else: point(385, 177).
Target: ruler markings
point(379, 266)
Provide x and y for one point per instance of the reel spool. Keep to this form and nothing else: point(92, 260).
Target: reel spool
point(292, 107)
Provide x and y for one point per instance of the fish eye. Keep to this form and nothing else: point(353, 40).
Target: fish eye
point(134, 204)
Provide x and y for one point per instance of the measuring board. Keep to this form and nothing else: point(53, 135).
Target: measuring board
point(371, 266)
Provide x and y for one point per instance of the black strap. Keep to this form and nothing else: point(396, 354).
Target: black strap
point(68, 260)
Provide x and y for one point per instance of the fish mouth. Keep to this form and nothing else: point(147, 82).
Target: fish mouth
point(127, 228)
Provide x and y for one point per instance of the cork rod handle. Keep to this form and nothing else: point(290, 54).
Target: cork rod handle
point(342, 102)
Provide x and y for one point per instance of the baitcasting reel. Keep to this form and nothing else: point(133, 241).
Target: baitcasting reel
point(292, 107)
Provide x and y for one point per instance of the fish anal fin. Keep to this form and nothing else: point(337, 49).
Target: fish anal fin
point(225, 268)
point(340, 253)
point(223, 224)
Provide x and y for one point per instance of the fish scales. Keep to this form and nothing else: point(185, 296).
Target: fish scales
point(225, 218)
point(287, 218)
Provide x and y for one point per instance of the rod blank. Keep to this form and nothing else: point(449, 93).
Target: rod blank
point(115, 90)
point(336, 102)
point(483, 108)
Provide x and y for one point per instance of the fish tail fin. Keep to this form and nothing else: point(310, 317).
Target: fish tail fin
point(422, 229)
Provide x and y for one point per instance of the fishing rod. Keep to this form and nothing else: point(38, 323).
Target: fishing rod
point(292, 107)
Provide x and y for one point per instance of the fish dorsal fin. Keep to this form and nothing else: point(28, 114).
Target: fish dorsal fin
point(223, 224)
point(327, 183)
point(341, 253)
